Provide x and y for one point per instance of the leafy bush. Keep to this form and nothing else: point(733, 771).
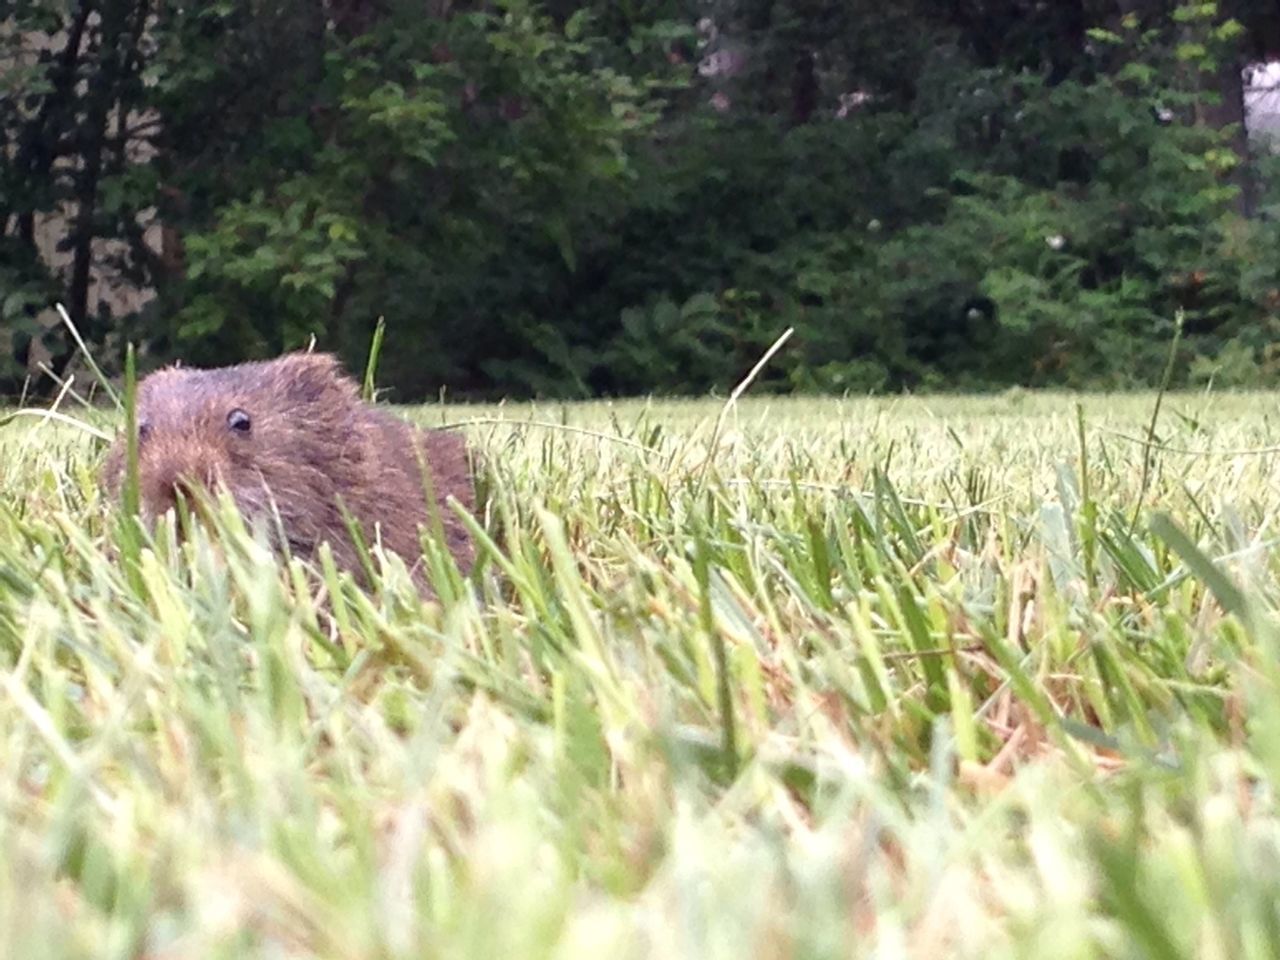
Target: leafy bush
point(572, 199)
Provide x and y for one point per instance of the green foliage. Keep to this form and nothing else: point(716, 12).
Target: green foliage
point(447, 152)
point(287, 257)
point(567, 199)
point(25, 289)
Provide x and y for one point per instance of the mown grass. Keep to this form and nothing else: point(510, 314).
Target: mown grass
point(921, 677)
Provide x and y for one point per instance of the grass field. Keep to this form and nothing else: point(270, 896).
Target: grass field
point(922, 677)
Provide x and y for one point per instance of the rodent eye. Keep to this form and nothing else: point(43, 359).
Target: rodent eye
point(239, 421)
point(144, 429)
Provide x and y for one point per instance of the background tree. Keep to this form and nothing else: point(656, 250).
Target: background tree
point(575, 198)
point(69, 99)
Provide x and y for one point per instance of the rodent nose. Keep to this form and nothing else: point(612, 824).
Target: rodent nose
point(194, 481)
point(185, 487)
point(165, 478)
point(165, 495)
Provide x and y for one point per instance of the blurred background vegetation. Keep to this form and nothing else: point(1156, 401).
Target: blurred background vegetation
point(574, 199)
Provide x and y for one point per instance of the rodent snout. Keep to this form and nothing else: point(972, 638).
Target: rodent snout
point(164, 477)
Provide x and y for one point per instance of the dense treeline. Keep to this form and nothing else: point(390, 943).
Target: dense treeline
point(569, 199)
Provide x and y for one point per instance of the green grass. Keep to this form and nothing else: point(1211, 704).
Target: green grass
point(920, 677)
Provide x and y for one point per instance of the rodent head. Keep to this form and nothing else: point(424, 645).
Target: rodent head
point(264, 431)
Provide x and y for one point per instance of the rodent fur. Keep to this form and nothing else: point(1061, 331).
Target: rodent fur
point(294, 432)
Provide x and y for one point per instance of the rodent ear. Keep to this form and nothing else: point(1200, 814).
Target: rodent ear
point(309, 376)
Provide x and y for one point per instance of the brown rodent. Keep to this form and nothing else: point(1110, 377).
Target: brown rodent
point(294, 432)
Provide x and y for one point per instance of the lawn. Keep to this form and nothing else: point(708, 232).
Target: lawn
point(906, 677)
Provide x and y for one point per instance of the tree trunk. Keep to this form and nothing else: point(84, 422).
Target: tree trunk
point(39, 143)
point(1230, 113)
point(102, 95)
point(804, 88)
